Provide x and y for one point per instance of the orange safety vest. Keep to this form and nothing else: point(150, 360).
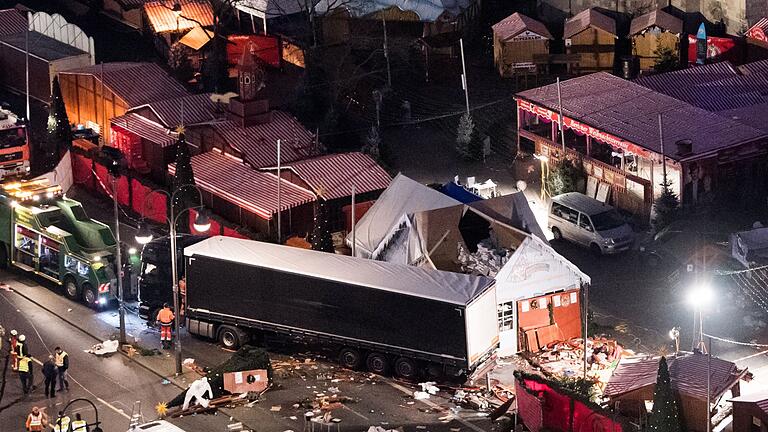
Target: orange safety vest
point(35, 422)
point(165, 316)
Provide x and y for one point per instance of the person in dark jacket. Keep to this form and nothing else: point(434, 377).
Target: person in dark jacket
point(50, 373)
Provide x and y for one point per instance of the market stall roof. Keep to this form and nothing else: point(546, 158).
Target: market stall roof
point(194, 13)
point(448, 287)
point(270, 8)
point(426, 10)
point(630, 112)
point(198, 108)
point(196, 38)
point(586, 19)
point(760, 66)
point(517, 23)
point(258, 143)
point(656, 18)
point(760, 399)
point(41, 46)
point(146, 129)
point(513, 210)
point(12, 21)
point(688, 374)
point(135, 83)
point(402, 196)
point(332, 176)
point(230, 179)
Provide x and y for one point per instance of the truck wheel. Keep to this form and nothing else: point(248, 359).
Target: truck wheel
point(350, 358)
point(229, 337)
point(406, 368)
point(557, 234)
point(70, 288)
point(434, 372)
point(377, 363)
point(89, 296)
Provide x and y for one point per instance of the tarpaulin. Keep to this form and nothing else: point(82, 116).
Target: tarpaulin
point(155, 208)
point(529, 407)
point(267, 48)
point(102, 179)
point(123, 191)
point(81, 167)
point(229, 232)
point(718, 49)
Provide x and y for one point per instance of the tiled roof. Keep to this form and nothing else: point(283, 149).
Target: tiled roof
point(332, 176)
point(678, 83)
point(657, 18)
point(258, 144)
point(132, 4)
point(517, 23)
point(194, 13)
point(41, 46)
point(752, 115)
point(630, 111)
point(196, 38)
point(145, 128)
point(136, 83)
point(12, 22)
point(760, 66)
point(197, 109)
point(589, 18)
point(688, 375)
point(760, 399)
point(235, 182)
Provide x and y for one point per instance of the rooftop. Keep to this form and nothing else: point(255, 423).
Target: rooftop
point(233, 181)
point(258, 144)
point(194, 13)
point(426, 10)
point(145, 128)
point(657, 18)
point(630, 112)
point(517, 23)
point(136, 83)
point(198, 108)
point(12, 21)
point(41, 46)
point(586, 19)
point(760, 399)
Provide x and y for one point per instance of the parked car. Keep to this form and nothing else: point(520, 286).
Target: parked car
point(586, 221)
point(677, 244)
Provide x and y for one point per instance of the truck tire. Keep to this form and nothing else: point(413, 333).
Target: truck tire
point(406, 368)
point(90, 298)
point(71, 290)
point(230, 337)
point(377, 363)
point(350, 358)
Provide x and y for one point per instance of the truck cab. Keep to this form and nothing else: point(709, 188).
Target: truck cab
point(45, 233)
point(14, 145)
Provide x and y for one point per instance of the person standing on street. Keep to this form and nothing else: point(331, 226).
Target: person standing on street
point(13, 340)
point(25, 374)
point(79, 425)
point(62, 364)
point(62, 423)
point(49, 372)
point(36, 420)
point(165, 318)
point(21, 349)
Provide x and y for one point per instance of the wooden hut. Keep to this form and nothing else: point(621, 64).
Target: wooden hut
point(653, 31)
point(750, 412)
point(516, 40)
point(592, 35)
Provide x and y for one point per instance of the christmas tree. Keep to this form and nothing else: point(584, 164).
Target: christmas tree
point(464, 133)
point(59, 137)
point(321, 233)
point(666, 206)
point(187, 197)
point(665, 415)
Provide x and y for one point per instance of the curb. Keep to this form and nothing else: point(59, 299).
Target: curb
point(133, 360)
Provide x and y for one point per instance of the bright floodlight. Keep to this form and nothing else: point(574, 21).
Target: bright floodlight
point(144, 235)
point(700, 295)
point(202, 222)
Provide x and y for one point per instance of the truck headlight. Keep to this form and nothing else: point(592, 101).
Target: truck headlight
point(103, 300)
point(609, 241)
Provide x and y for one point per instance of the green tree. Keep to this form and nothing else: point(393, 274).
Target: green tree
point(667, 60)
point(464, 134)
point(665, 416)
point(667, 206)
point(564, 176)
point(187, 196)
point(59, 137)
point(321, 232)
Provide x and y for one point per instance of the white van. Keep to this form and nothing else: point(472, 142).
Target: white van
point(586, 221)
point(156, 426)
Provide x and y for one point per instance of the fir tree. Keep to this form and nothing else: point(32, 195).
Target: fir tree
point(59, 137)
point(666, 206)
point(183, 176)
point(372, 145)
point(665, 416)
point(321, 233)
point(667, 60)
point(564, 177)
point(464, 133)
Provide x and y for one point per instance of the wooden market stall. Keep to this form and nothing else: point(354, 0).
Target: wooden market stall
point(517, 39)
point(592, 35)
point(653, 32)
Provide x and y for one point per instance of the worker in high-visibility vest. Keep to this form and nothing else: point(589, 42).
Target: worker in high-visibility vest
point(79, 425)
point(36, 420)
point(62, 423)
point(165, 318)
point(61, 360)
point(25, 374)
point(13, 340)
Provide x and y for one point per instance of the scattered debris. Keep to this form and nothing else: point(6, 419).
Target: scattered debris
point(420, 395)
point(104, 348)
point(276, 408)
point(429, 387)
point(6, 287)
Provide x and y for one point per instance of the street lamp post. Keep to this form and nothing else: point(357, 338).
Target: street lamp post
point(144, 236)
point(699, 297)
point(95, 410)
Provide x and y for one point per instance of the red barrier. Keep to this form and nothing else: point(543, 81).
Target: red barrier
point(103, 183)
point(81, 170)
point(138, 193)
point(123, 191)
point(229, 232)
point(155, 208)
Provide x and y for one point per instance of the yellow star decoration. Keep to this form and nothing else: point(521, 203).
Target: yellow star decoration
point(179, 129)
point(161, 408)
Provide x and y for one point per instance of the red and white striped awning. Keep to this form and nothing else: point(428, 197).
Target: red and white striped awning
point(145, 128)
point(332, 176)
point(193, 13)
point(231, 180)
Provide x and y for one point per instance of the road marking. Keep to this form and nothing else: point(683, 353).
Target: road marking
point(750, 356)
point(355, 412)
point(431, 404)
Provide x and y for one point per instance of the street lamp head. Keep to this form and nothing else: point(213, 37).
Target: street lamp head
point(144, 234)
point(700, 296)
point(674, 333)
point(202, 221)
